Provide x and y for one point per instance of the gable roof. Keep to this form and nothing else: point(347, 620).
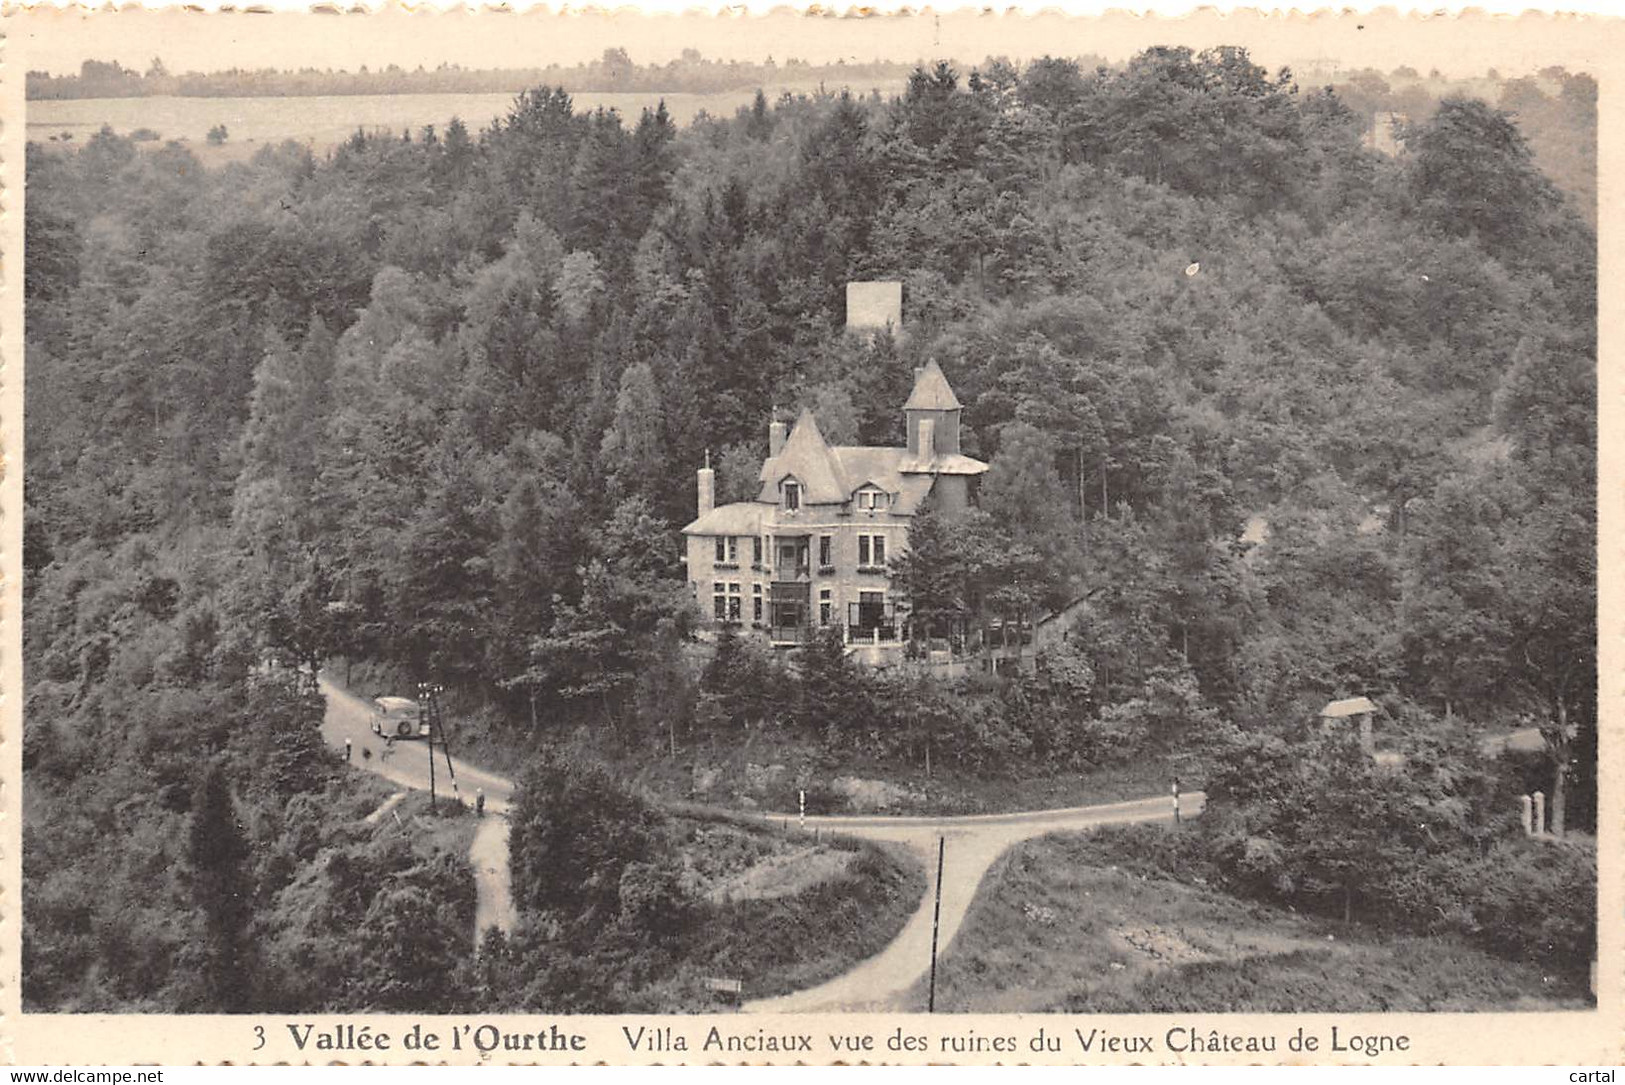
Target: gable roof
point(862, 464)
point(931, 391)
point(1353, 706)
point(807, 456)
point(739, 518)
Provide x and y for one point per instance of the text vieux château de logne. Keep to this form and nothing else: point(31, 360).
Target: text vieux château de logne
point(1178, 1039)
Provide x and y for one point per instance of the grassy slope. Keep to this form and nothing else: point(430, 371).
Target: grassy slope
point(1055, 926)
point(796, 941)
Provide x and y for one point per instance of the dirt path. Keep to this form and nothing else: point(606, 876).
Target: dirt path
point(493, 896)
point(970, 845)
point(349, 717)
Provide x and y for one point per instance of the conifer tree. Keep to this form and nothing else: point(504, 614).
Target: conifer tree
point(221, 888)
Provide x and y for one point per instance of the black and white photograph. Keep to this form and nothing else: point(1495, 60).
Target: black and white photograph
point(697, 522)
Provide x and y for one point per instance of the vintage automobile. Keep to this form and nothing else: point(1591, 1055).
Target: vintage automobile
point(399, 717)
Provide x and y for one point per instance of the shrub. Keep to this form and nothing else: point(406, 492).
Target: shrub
point(575, 831)
point(822, 798)
point(1536, 901)
point(656, 900)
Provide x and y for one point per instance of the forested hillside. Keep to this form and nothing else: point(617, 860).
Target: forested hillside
point(1294, 419)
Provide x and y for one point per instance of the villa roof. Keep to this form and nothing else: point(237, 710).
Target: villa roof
point(739, 518)
point(829, 475)
point(862, 464)
point(807, 457)
point(931, 391)
point(951, 463)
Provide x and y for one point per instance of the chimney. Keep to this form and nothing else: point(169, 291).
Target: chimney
point(928, 439)
point(708, 486)
point(776, 434)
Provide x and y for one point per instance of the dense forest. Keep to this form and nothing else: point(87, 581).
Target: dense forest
point(1290, 419)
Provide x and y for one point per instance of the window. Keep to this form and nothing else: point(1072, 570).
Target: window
point(824, 606)
point(756, 550)
point(825, 547)
point(792, 496)
point(871, 550)
point(756, 602)
point(722, 548)
point(734, 602)
point(733, 549)
point(873, 499)
point(719, 601)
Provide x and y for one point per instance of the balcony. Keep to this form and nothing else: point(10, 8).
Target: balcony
point(788, 608)
point(787, 635)
point(872, 623)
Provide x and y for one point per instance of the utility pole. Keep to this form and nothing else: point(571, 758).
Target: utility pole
point(429, 701)
point(936, 923)
point(425, 700)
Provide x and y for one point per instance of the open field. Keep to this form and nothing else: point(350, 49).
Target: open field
point(323, 122)
point(1056, 926)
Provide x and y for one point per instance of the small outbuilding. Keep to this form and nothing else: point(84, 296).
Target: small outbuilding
point(1359, 710)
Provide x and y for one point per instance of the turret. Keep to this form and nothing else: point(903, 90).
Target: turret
point(932, 415)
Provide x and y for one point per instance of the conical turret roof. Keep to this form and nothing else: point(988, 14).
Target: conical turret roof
point(931, 391)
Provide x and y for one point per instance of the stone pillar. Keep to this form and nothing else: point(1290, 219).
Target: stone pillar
point(1540, 813)
point(1367, 742)
point(1526, 815)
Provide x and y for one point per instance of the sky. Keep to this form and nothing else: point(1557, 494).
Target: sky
point(58, 41)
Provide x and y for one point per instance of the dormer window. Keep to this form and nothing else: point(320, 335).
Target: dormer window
point(792, 495)
point(873, 499)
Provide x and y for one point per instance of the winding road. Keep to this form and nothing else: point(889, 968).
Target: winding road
point(972, 844)
point(349, 718)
